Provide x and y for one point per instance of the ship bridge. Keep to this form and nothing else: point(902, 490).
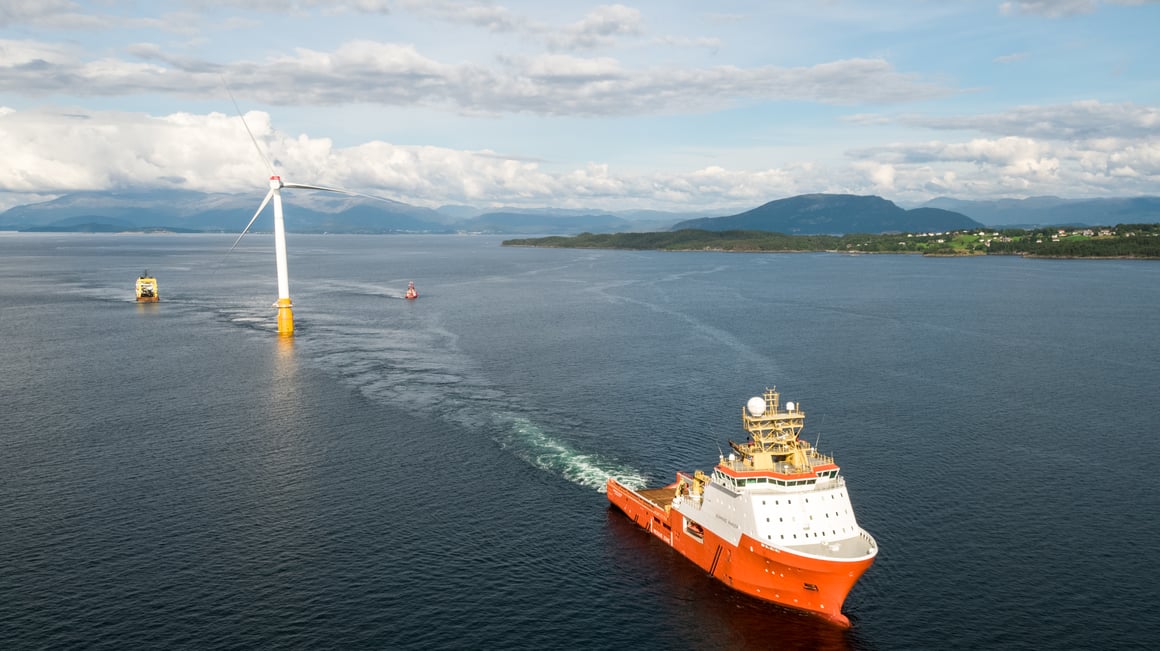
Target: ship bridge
point(773, 447)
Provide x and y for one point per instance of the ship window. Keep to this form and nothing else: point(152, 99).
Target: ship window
point(783, 536)
point(795, 536)
point(767, 519)
point(789, 501)
point(781, 519)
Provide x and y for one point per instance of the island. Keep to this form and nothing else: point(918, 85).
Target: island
point(1120, 241)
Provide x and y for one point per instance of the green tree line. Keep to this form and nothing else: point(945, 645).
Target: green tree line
point(1127, 240)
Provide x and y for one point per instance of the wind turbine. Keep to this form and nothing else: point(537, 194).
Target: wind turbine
point(284, 305)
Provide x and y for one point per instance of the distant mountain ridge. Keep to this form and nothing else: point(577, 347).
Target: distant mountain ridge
point(1055, 211)
point(306, 212)
point(183, 209)
point(810, 214)
point(834, 214)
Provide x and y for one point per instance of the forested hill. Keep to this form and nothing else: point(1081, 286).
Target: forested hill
point(834, 214)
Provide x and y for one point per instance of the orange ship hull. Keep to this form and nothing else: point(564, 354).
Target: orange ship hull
point(815, 585)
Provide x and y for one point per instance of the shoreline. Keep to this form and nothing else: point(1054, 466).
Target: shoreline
point(852, 253)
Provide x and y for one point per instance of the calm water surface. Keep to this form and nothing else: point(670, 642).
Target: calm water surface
point(426, 474)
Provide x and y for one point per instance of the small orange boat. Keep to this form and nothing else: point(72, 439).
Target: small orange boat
point(773, 520)
point(147, 289)
point(411, 293)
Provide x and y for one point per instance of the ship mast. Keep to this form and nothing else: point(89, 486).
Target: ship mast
point(774, 433)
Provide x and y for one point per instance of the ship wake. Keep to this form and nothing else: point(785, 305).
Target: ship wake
point(423, 370)
point(535, 446)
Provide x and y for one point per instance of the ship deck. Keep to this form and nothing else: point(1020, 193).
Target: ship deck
point(662, 497)
point(856, 547)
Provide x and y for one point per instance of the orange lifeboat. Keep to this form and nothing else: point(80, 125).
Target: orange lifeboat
point(411, 293)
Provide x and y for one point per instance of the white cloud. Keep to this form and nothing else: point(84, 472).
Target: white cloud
point(398, 75)
point(493, 18)
point(48, 13)
point(1060, 8)
point(59, 152)
point(599, 28)
point(85, 150)
point(1022, 166)
point(1081, 119)
point(1011, 58)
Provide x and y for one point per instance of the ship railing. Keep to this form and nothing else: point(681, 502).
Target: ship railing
point(815, 459)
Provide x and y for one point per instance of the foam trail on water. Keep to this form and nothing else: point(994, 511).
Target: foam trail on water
point(532, 444)
point(423, 370)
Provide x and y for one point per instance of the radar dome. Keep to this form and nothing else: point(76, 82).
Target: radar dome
point(789, 406)
point(756, 406)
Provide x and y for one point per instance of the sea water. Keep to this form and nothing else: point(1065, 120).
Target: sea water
point(428, 474)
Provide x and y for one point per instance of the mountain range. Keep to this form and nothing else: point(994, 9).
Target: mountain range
point(1054, 211)
point(309, 212)
point(180, 210)
point(835, 214)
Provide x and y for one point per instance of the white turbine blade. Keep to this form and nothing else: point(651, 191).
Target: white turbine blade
point(252, 219)
point(254, 140)
point(303, 186)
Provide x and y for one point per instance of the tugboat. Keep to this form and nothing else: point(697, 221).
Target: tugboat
point(411, 293)
point(773, 520)
point(147, 288)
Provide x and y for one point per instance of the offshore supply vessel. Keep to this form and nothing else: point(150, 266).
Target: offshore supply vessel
point(147, 289)
point(773, 520)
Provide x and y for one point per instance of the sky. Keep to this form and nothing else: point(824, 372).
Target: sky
point(678, 105)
